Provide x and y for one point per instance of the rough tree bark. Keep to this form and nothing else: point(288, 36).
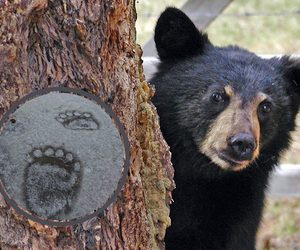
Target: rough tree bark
point(89, 45)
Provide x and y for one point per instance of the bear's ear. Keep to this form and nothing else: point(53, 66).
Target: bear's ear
point(291, 71)
point(177, 37)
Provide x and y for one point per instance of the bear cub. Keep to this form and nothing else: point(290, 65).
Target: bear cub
point(226, 115)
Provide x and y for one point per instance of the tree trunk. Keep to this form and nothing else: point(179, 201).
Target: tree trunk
point(88, 45)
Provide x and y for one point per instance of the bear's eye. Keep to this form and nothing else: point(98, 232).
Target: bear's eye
point(264, 111)
point(217, 97)
point(266, 108)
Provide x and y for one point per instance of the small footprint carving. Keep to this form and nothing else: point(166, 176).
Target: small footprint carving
point(77, 120)
point(52, 180)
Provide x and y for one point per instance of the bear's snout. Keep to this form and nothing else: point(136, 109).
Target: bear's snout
point(241, 146)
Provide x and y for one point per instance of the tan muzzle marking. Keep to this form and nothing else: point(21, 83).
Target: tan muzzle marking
point(236, 118)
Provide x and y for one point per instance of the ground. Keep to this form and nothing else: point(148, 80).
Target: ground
point(280, 228)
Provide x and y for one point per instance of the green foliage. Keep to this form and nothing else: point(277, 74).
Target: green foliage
point(261, 33)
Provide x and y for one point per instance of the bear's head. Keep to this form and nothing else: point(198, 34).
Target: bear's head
point(231, 105)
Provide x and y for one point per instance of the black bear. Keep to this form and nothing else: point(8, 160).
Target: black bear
point(226, 115)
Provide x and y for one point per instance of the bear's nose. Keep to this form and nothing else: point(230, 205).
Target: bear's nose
point(242, 145)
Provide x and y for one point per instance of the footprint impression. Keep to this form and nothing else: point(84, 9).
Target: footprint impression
point(52, 179)
point(65, 160)
point(77, 120)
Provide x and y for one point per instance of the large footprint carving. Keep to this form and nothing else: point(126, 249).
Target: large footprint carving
point(51, 181)
point(78, 121)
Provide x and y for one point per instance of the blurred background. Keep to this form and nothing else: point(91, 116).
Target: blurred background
point(265, 28)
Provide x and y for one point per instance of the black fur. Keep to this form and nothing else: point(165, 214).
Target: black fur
point(217, 209)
